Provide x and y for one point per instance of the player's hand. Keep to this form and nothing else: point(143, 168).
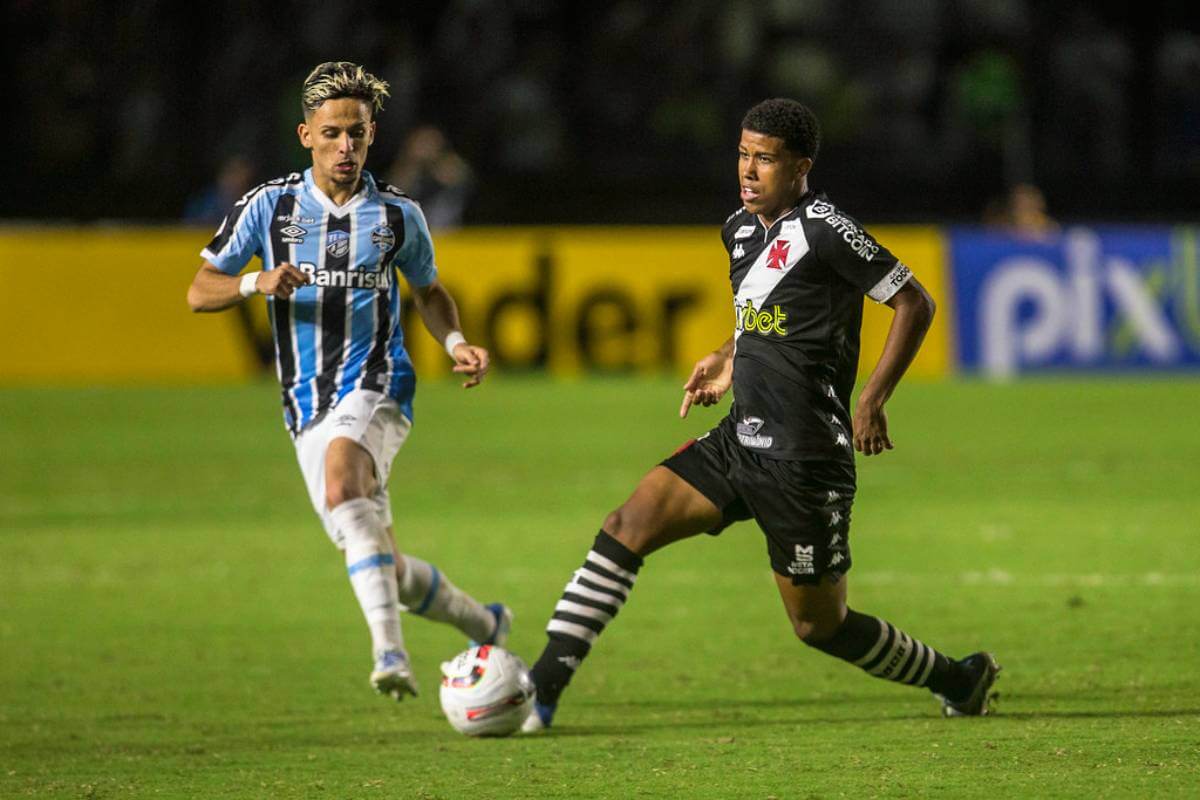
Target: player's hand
point(870, 428)
point(711, 378)
point(282, 281)
point(471, 361)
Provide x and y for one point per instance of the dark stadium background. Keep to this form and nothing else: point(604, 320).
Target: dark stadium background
point(618, 111)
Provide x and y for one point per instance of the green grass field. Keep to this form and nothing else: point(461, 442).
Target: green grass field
point(174, 623)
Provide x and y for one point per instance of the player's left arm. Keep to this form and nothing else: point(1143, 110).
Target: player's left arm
point(440, 314)
point(914, 310)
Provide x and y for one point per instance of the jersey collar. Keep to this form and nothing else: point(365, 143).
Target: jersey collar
point(366, 191)
point(804, 198)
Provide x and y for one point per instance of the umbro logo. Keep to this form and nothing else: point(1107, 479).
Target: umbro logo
point(293, 234)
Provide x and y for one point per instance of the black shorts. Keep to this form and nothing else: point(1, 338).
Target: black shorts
point(803, 507)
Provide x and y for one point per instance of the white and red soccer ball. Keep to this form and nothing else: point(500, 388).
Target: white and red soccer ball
point(486, 691)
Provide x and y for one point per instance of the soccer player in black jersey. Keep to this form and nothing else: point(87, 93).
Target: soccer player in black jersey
point(799, 268)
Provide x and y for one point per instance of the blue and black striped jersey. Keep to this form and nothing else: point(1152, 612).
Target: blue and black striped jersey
point(342, 331)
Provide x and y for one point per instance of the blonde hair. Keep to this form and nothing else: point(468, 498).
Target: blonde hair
point(335, 79)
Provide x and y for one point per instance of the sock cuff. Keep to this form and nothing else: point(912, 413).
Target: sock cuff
point(611, 549)
point(354, 508)
point(855, 637)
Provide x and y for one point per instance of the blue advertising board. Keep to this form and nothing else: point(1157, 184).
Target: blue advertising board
point(1103, 298)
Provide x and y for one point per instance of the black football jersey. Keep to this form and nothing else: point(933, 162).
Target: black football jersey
point(797, 299)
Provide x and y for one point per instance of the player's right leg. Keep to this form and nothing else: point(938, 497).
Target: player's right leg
point(664, 508)
point(350, 483)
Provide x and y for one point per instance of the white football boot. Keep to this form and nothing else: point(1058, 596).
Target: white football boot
point(392, 675)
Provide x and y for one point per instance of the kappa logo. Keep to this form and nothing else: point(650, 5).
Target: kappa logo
point(738, 252)
point(337, 243)
point(747, 433)
point(570, 662)
point(744, 232)
point(293, 234)
point(802, 561)
point(384, 238)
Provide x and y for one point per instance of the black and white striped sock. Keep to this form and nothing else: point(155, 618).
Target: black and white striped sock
point(883, 650)
point(589, 602)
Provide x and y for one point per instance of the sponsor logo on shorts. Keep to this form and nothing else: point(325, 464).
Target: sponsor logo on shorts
point(803, 562)
point(345, 420)
point(744, 232)
point(747, 433)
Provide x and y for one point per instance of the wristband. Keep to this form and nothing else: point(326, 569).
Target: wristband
point(249, 284)
point(453, 340)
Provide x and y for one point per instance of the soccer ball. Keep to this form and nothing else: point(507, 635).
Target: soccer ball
point(486, 691)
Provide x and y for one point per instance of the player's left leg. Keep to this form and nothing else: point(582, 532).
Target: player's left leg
point(804, 509)
point(425, 590)
point(822, 620)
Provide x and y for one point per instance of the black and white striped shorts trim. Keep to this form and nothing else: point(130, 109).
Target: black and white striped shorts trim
point(591, 599)
point(896, 656)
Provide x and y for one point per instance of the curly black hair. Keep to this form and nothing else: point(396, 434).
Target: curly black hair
point(788, 120)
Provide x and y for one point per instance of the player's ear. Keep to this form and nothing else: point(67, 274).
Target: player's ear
point(371, 134)
point(803, 165)
point(305, 136)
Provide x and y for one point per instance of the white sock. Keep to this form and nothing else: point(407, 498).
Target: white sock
point(370, 561)
point(426, 591)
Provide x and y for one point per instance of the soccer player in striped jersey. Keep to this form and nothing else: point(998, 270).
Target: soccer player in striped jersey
point(799, 268)
point(332, 242)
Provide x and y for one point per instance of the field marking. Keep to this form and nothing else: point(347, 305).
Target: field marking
point(999, 577)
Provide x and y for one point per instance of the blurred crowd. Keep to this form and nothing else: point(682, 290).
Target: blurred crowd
point(551, 110)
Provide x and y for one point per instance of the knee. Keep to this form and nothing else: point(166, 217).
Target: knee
point(339, 489)
point(815, 628)
point(625, 525)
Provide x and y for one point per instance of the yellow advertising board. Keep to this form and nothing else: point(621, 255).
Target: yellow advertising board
point(97, 305)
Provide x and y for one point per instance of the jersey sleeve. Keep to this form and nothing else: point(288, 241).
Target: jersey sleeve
point(862, 261)
point(240, 236)
point(414, 259)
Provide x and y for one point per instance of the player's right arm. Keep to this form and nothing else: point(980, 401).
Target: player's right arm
point(710, 380)
point(218, 284)
point(214, 290)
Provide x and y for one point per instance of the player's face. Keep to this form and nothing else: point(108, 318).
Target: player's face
point(339, 134)
point(771, 177)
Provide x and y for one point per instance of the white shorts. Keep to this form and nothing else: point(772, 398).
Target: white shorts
point(371, 419)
